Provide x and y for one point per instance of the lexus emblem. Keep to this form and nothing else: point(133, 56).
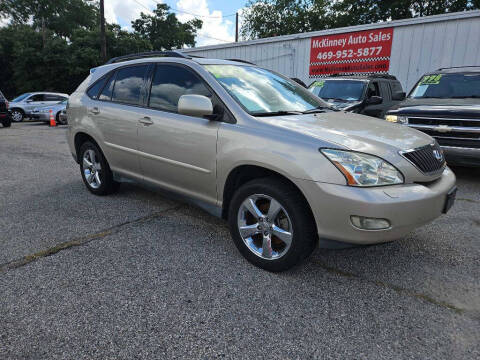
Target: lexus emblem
point(438, 155)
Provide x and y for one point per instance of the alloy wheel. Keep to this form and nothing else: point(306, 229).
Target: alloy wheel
point(265, 226)
point(17, 116)
point(92, 169)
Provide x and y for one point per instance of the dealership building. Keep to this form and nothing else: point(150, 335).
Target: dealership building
point(404, 48)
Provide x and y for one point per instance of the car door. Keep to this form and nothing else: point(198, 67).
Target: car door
point(116, 114)
point(178, 152)
point(34, 101)
point(376, 110)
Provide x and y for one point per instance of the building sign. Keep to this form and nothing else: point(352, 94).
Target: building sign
point(357, 52)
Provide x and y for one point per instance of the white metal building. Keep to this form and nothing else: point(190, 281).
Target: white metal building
point(419, 45)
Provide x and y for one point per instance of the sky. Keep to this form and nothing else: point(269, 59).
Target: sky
point(217, 15)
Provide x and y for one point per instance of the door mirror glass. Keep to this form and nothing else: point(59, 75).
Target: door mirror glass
point(399, 96)
point(195, 105)
point(374, 100)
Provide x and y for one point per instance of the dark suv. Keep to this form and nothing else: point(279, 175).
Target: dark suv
point(446, 105)
point(370, 95)
point(5, 117)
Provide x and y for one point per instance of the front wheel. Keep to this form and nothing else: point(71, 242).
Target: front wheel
point(96, 173)
point(17, 115)
point(271, 224)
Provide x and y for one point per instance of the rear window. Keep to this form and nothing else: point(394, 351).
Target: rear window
point(96, 87)
point(49, 97)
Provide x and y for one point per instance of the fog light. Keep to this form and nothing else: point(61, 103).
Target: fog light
point(366, 223)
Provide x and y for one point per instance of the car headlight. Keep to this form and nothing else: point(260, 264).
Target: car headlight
point(396, 119)
point(362, 169)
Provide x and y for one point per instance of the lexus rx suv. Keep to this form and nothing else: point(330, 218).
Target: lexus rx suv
point(256, 148)
point(5, 118)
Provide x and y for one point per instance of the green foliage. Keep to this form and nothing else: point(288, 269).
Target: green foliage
point(164, 31)
point(59, 55)
point(264, 18)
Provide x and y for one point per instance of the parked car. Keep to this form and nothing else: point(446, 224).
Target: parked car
point(370, 95)
point(5, 117)
point(445, 104)
point(43, 113)
point(257, 149)
point(22, 106)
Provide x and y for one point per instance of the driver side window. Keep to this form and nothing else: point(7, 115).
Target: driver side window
point(373, 89)
point(37, 97)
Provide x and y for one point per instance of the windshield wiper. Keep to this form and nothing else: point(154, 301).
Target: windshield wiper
point(278, 113)
point(318, 109)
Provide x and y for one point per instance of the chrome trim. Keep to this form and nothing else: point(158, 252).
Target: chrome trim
point(447, 129)
point(402, 152)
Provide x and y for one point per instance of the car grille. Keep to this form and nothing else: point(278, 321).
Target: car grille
point(449, 131)
point(428, 159)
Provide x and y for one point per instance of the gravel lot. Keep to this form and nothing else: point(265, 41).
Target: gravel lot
point(137, 275)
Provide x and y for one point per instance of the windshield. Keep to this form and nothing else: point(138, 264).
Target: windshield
point(349, 90)
point(261, 91)
point(447, 86)
point(21, 97)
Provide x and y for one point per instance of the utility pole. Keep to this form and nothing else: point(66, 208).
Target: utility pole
point(236, 27)
point(103, 39)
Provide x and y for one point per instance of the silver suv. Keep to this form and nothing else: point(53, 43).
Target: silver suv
point(23, 105)
point(257, 149)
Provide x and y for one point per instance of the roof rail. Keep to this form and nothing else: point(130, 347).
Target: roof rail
point(242, 61)
point(147, 55)
point(364, 75)
point(459, 67)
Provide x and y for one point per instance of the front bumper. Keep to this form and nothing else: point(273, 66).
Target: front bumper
point(462, 156)
point(406, 206)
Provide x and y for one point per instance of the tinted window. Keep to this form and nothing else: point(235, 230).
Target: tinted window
point(95, 88)
point(448, 86)
point(54, 98)
point(373, 89)
point(170, 82)
point(349, 90)
point(38, 97)
point(129, 84)
point(107, 90)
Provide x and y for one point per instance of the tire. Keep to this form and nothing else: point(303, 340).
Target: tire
point(294, 218)
point(102, 182)
point(58, 121)
point(7, 123)
point(17, 115)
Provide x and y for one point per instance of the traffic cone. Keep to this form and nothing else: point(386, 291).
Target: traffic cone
point(52, 119)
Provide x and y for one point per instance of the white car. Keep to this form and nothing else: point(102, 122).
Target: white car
point(23, 105)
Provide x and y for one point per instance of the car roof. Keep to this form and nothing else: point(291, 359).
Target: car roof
point(456, 69)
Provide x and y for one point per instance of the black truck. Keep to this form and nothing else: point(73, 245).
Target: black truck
point(5, 117)
point(366, 94)
point(446, 105)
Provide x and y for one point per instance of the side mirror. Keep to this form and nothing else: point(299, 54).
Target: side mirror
point(374, 100)
point(399, 96)
point(29, 101)
point(195, 105)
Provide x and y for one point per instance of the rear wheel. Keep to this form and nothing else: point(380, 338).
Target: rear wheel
point(6, 123)
point(271, 224)
point(17, 115)
point(96, 173)
point(59, 120)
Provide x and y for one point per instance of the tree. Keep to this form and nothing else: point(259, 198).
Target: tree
point(164, 31)
point(264, 18)
point(58, 16)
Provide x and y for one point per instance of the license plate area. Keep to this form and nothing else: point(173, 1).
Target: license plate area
point(450, 199)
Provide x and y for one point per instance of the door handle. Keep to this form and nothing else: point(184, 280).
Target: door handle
point(95, 111)
point(146, 121)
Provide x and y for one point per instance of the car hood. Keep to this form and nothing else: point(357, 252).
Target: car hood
point(342, 104)
point(438, 107)
point(352, 131)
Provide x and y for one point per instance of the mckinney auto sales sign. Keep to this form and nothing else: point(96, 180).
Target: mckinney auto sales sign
point(357, 52)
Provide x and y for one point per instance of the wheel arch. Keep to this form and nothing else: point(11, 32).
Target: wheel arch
point(244, 173)
point(79, 139)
